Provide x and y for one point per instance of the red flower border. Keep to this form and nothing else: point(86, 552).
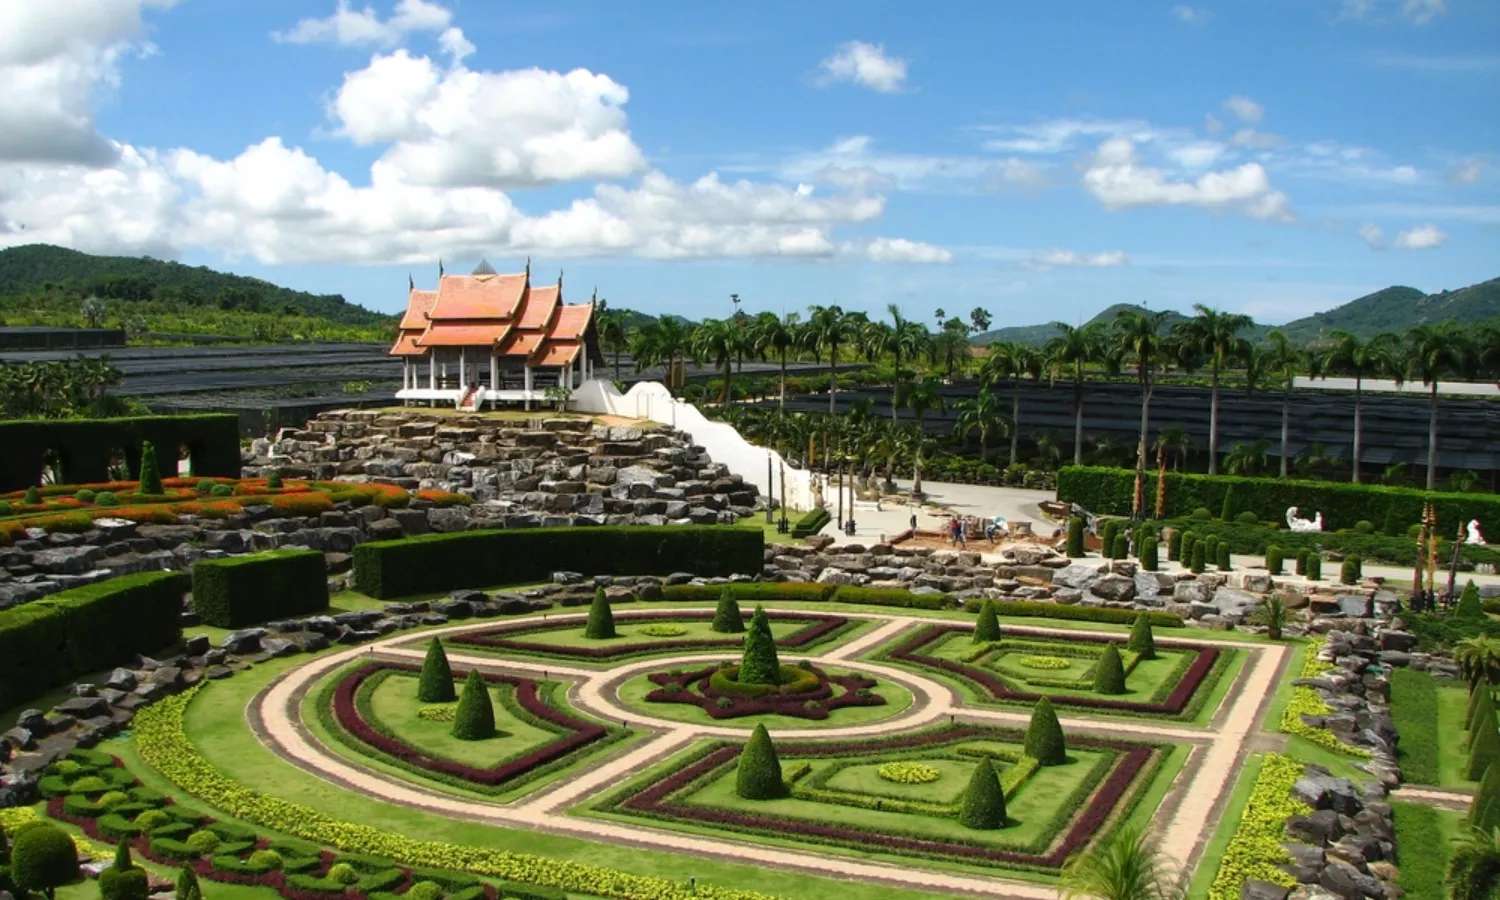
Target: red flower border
point(707, 699)
point(501, 638)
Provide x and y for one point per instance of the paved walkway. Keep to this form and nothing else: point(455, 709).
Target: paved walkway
point(1192, 805)
point(873, 526)
point(1448, 799)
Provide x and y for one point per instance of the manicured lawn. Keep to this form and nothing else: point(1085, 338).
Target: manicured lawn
point(571, 634)
point(1429, 714)
point(1229, 820)
point(632, 694)
point(1424, 842)
point(758, 520)
point(394, 704)
point(1453, 753)
point(1147, 682)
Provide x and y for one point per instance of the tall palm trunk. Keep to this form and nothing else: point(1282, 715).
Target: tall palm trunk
point(1286, 407)
point(1213, 423)
point(896, 391)
point(1015, 422)
point(1358, 408)
point(1432, 439)
point(782, 401)
point(833, 375)
point(1078, 418)
point(1138, 501)
point(617, 363)
point(724, 392)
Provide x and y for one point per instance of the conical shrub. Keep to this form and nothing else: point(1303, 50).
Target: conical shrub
point(1148, 555)
point(1223, 557)
point(1109, 672)
point(150, 470)
point(1044, 736)
point(1075, 537)
point(1484, 705)
point(474, 720)
point(1484, 810)
point(727, 617)
point(601, 618)
point(435, 685)
point(758, 776)
point(759, 663)
point(187, 885)
point(1142, 641)
point(1484, 747)
point(122, 856)
point(987, 626)
point(984, 802)
point(1469, 604)
point(1174, 545)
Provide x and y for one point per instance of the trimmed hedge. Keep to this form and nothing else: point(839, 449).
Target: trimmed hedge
point(748, 591)
point(435, 684)
point(811, 523)
point(248, 590)
point(84, 446)
point(1044, 610)
point(52, 640)
point(758, 773)
point(1107, 491)
point(442, 562)
point(849, 593)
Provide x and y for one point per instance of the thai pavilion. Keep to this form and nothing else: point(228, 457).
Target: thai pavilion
point(486, 337)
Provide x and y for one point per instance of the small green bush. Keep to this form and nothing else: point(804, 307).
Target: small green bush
point(1273, 560)
point(727, 616)
point(1201, 512)
point(758, 774)
point(1174, 544)
point(983, 805)
point(203, 842)
point(811, 522)
point(106, 498)
point(342, 873)
point(1142, 641)
point(221, 490)
point(265, 859)
point(1349, 570)
point(474, 720)
point(1121, 547)
point(42, 858)
point(124, 884)
point(1469, 606)
point(1364, 526)
point(1109, 672)
point(987, 626)
point(1223, 561)
point(273, 480)
point(435, 685)
point(1148, 557)
point(204, 486)
point(601, 623)
point(1075, 537)
point(424, 890)
point(1314, 567)
point(187, 885)
point(1196, 565)
point(1301, 567)
point(150, 469)
point(32, 496)
point(1246, 518)
point(85, 495)
point(1107, 532)
point(759, 663)
point(1044, 736)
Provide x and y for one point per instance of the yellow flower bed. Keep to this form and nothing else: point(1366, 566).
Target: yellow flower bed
point(1045, 662)
point(163, 743)
point(1255, 851)
point(443, 713)
point(1306, 701)
point(13, 817)
point(908, 773)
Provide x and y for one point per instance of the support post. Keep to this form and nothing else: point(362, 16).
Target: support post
point(770, 490)
point(526, 376)
point(463, 382)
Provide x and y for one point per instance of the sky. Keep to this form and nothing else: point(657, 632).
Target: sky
point(1038, 160)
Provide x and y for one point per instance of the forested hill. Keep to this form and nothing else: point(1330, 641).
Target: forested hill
point(43, 268)
point(1036, 335)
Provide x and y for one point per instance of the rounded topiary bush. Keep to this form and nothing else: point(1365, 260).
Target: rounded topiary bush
point(106, 498)
point(1350, 570)
point(203, 842)
point(85, 495)
point(1201, 513)
point(265, 859)
point(32, 496)
point(1075, 537)
point(1109, 672)
point(435, 684)
point(111, 799)
point(758, 775)
point(474, 720)
point(987, 626)
point(148, 819)
point(601, 624)
point(42, 858)
point(221, 490)
point(204, 486)
point(1148, 557)
point(1469, 604)
point(1364, 526)
point(1142, 641)
point(124, 884)
point(983, 803)
point(424, 890)
point(342, 873)
point(89, 784)
point(1246, 517)
point(1044, 736)
point(727, 616)
point(1273, 559)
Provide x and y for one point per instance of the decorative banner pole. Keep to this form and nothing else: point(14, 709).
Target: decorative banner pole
point(770, 490)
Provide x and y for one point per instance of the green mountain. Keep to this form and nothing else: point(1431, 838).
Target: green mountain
point(1399, 308)
point(1036, 335)
point(45, 271)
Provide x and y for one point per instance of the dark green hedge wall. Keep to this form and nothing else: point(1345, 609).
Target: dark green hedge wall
point(248, 590)
point(46, 642)
point(442, 562)
point(1107, 491)
point(85, 445)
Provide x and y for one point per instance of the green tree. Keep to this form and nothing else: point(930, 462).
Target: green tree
point(43, 859)
point(1124, 867)
point(758, 775)
point(124, 880)
point(987, 626)
point(1469, 604)
point(1433, 353)
point(759, 663)
point(1109, 671)
point(1142, 641)
point(474, 720)
point(1283, 363)
point(1138, 341)
point(601, 624)
point(150, 471)
point(1075, 538)
point(1214, 335)
point(1484, 745)
point(1044, 736)
point(1484, 810)
point(983, 803)
point(1272, 613)
point(1071, 352)
point(435, 684)
point(727, 616)
point(187, 885)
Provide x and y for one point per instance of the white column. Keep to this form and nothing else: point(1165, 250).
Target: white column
point(431, 370)
point(526, 375)
point(462, 381)
point(494, 371)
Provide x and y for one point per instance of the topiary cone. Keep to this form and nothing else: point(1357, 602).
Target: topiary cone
point(435, 685)
point(1075, 537)
point(759, 663)
point(1484, 747)
point(1484, 811)
point(1469, 604)
point(474, 720)
point(727, 616)
point(187, 885)
point(758, 776)
point(601, 618)
point(987, 626)
point(1484, 705)
point(1044, 736)
point(1109, 672)
point(984, 801)
point(1142, 641)
point(150, 470)
point(122, 856)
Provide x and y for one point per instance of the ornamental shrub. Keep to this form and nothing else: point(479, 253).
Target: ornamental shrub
point(1246, 517)
point(43, 859)
point(342, 873)
point(1469, 606)
point(1202, 513)
point(124, 884)
point(187, 885)
point(727, 616)
point(1301, 567)
point(601, 624)
point(32, 496)
point(1141, 639)
point(1484, 746)
point(435, 685)
point(424, 890)
point(1044, 736)
point(246, 590)
point(1364, 526)
point(1149, 562)
point(1226, 511)
point(1222, 559)
point(1121, 547)
point(987, 626)
point(203, 842)
point(1075, 537)
point(1349, 570)
point(1484, 710)
point(984, 802)
point(1484, 811)
point(204, 486)
point(759, 663)
point(1195, 565)
point(122, 856)
point(221, 490)
point(474, 720)
point(1107, 532)
point(273, 480)
point(106, 498)
point(1211, 550)
point(85, 495)
point(1109, 672)
point(1174, 544)
point(1273, 559)
point(758, 776)
point(266, 860)
point(1314, 567)
point(150, 469)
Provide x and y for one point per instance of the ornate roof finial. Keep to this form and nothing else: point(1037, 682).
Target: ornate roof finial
point(440, 268)
point(411, 283)
point(528, 268)
point(484, 268)
point(559, 281)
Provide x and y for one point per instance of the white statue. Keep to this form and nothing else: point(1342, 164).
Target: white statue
point(1296, 524)
point(1474, 536)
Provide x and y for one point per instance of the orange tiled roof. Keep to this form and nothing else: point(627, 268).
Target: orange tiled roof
point(479, 296)
point(539, 306)
point(418, 305)
point(521, 343)
point(556, 354)
point(466, 333)
point(571, 322)
point(406, 344)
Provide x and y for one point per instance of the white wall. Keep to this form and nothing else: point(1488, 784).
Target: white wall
point(651, 400)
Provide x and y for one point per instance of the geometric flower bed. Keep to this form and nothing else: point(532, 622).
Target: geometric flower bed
point(807, 693)
point(999, 672)
point(816, 628)
point(838, 798)
point(535, 737)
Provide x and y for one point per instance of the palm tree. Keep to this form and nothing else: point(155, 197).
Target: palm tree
point(662, 343)
point(1125, 867)
point(1010, 360)
point(1246, 458)
point(613, 335)
point(1073, 349)
point(1478, 656)
point(828, 328)
point(1282, 363)
point(952, 343)
point(1139, 342)
point(903, 339)
point(1433, 352)
point(1214, 334)
point(771, 333)
point(1174, 440)
point(1474, 866)
point(980, 415)
point(1362, 359)
point(718, 339)
point(924, 397)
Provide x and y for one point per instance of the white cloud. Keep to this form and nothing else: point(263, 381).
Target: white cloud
point(1190, 15)
point(1371, 234)
point(1061, 135)
point(1119, 180)
point(460, 127)
point(1245, 109)
point(1197, 155)
point(129, 207)
point(1423, 11)
point(1418, 12)
point(1422, 237)
point(1467, 171)
point(903, 250)
point(865, 64)
point(853, 163)
point(363, 27)
point(1049, 259)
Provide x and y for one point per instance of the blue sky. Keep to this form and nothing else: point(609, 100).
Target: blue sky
point(1039, 160)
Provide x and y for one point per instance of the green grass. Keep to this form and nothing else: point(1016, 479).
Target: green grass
point(394, 704)
point(1424, 842)
point(758, 520)
point(571, 635)
point(1414, 706)
point(1453, 754)
point(632, 695)
point(1229, 820)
